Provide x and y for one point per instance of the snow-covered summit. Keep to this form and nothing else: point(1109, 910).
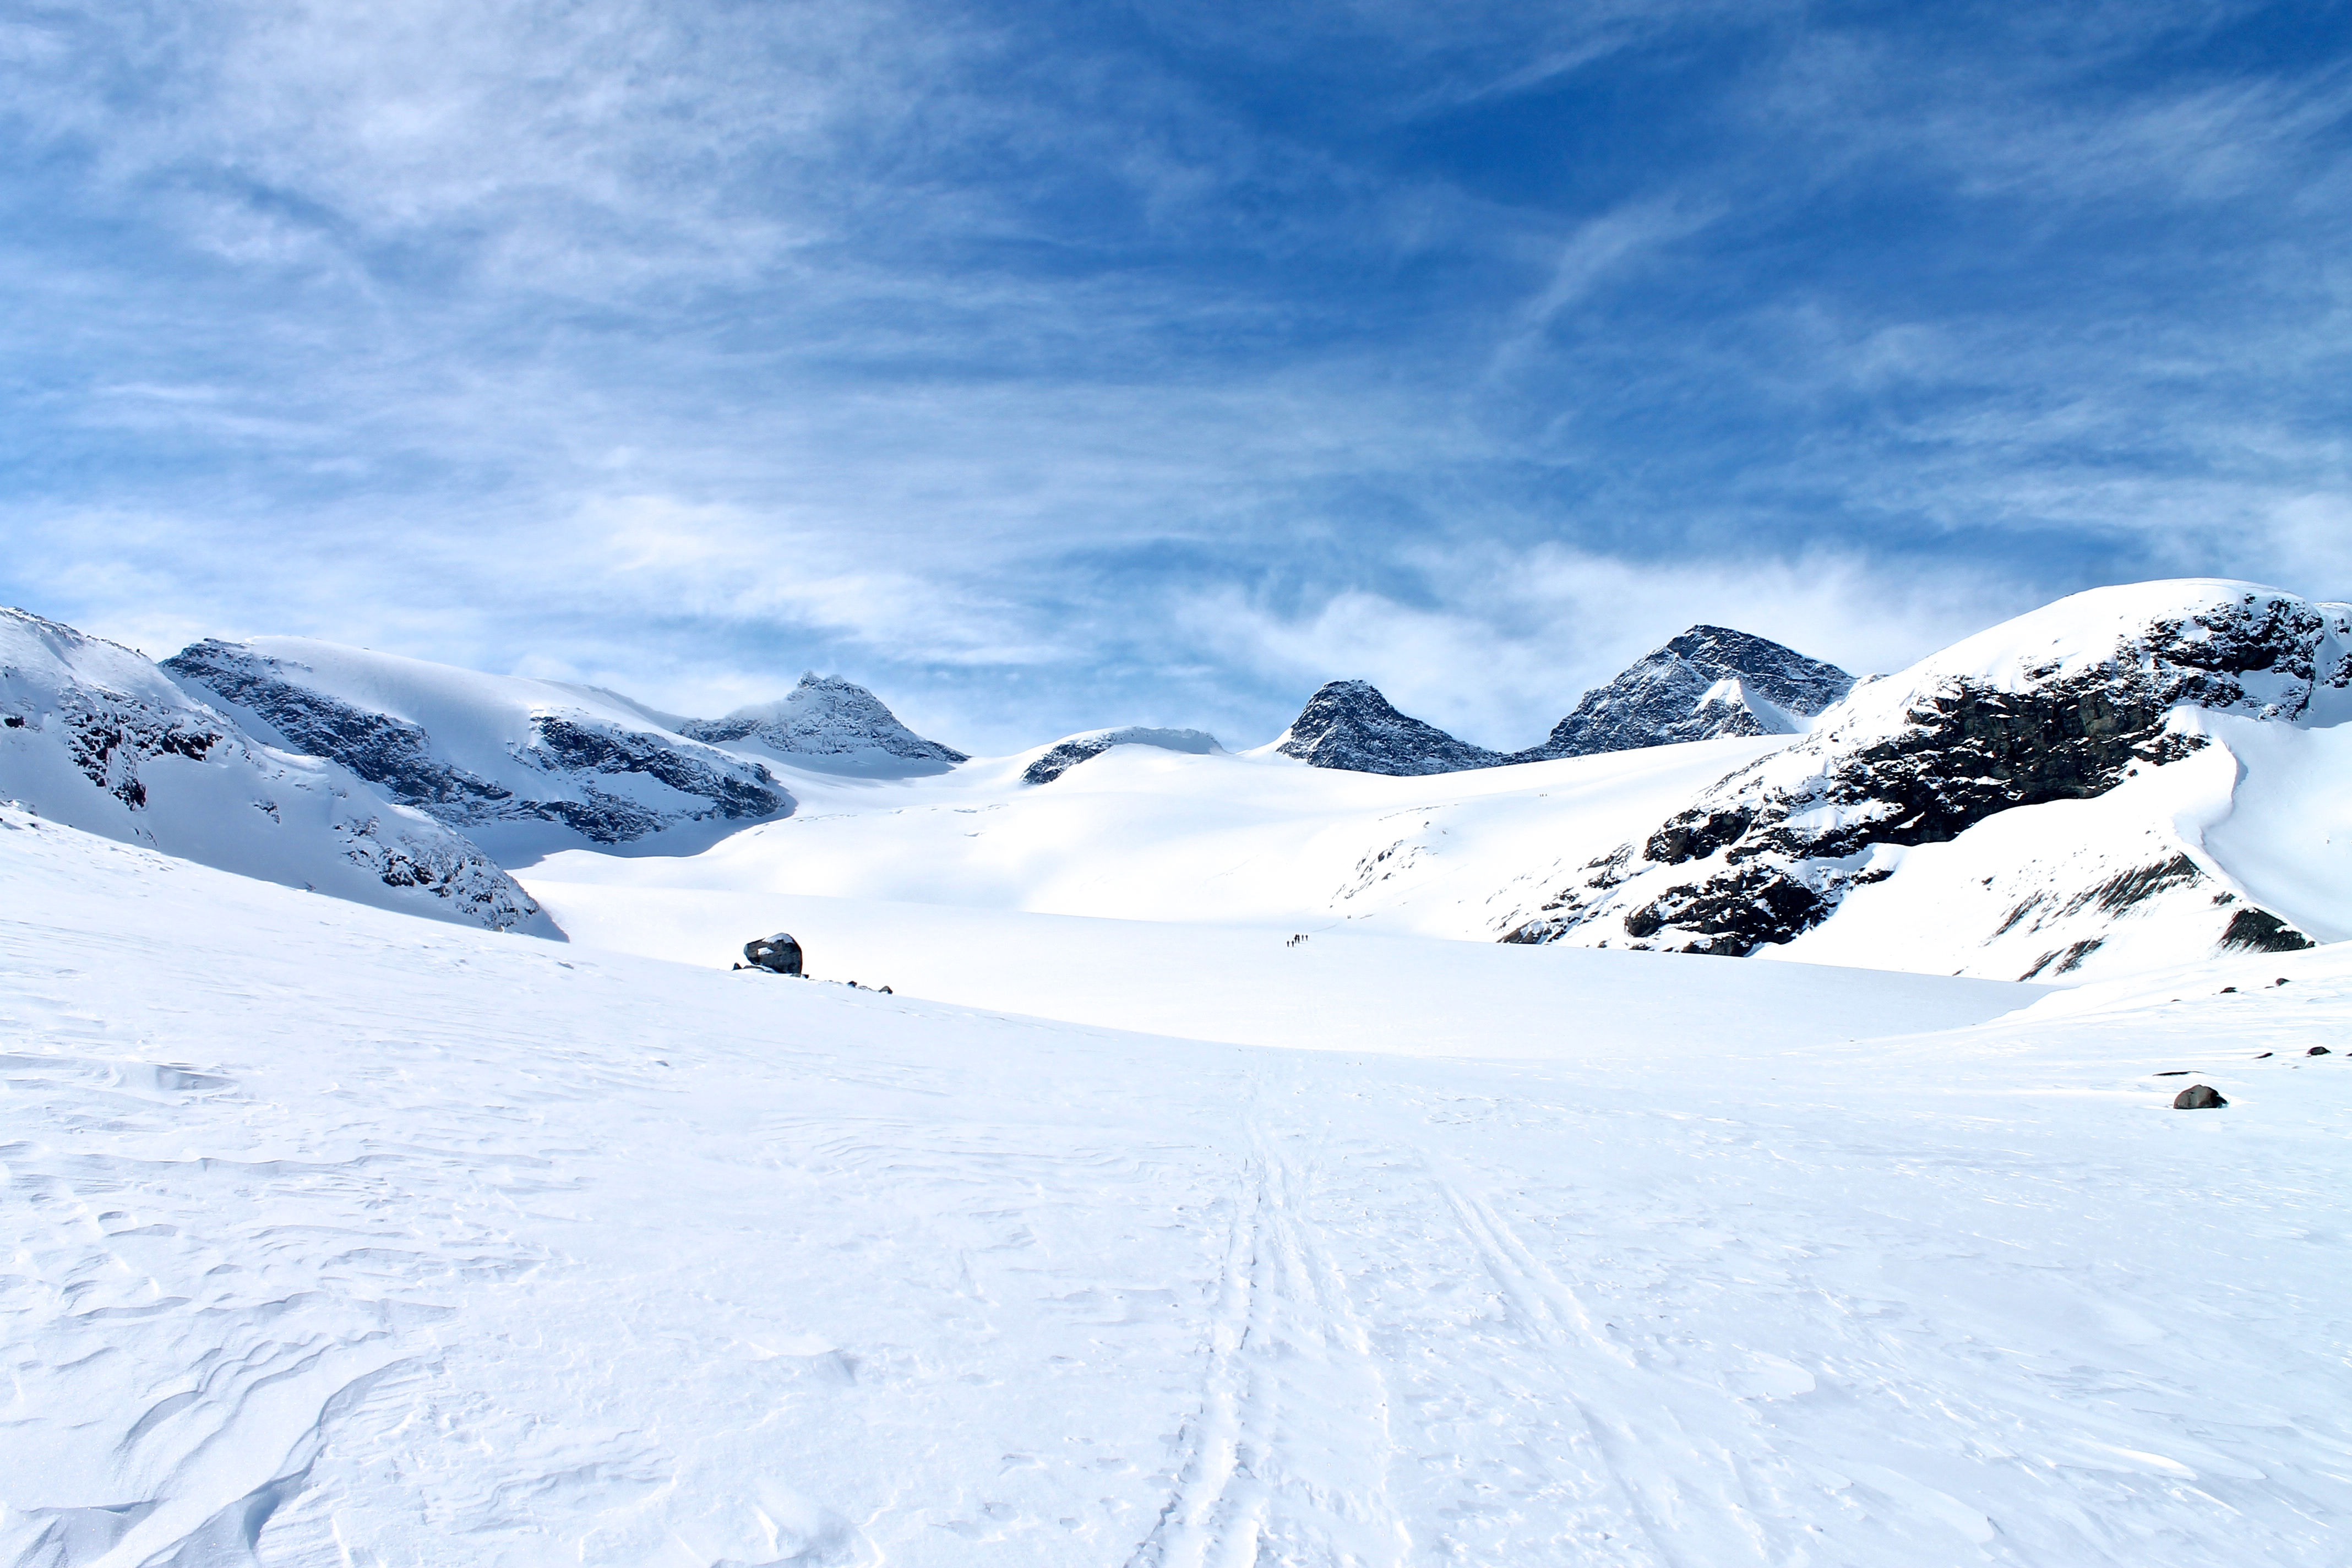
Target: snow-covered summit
point(518, 762)
point(1348, 724)
point(832, 725)
point(1709, 682)
point(95, 736)
point(1069, 752)
point(2063, 704)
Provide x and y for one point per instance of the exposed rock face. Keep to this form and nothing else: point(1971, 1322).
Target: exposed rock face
point(1064, 756)
point(2197, 1097)
point(2259, 931)
point(1348, 724)
point(94, 736)
point(1708, 682)
point(830, 724)
point(563, 761)
point(779, 955)
point(2057, 705)
point(380, 749)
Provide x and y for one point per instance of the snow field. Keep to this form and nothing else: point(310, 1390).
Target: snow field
point(340, 1236)
point(1147, 834)
point(1140, 833)
point(1342, 989)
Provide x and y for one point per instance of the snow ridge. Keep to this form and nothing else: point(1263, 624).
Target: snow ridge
point(2063, 704)
point(93, 735)
point(1348, 724)
point(537, 753)
point(1064, 756)
point(831, 724)
point(1711, 681)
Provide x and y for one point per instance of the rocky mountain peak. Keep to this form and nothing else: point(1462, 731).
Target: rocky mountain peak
point(832, 723)
point(1710, 681)
point(2059, 704)
point(1348, 724)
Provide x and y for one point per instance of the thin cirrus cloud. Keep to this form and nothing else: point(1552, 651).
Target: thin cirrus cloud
point(1055, 366)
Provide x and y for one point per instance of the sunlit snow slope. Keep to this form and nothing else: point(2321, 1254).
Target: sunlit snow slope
point(519, 764)
point(1143, 833)
point(93, 734)
point(2133, 777)
point(344, 1237)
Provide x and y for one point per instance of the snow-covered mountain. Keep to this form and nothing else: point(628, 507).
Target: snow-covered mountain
point(1979, 814)
point(94, 735)
point(1708, 683)
point(1711, 681)
point(1348, 724)
point(1069, 752)
point(519, 764)
point(1248, 1223)
point(2075, 764)
point(832, 725)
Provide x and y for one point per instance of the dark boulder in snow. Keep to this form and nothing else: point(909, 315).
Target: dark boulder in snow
point(1709, 682)
point(2197, 1097)
point(1064, 756)
point(778, 955)
point(832, 725)
point(2259, 931)
point(1348, 724)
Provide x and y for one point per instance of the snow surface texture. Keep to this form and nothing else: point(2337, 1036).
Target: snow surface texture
point(345, 1238)
point(834, 726)
point(514, 762)
point(2061, 705)
point(93, 734)
point(1062, 755)
point(1711, 681)
point(1348, 724)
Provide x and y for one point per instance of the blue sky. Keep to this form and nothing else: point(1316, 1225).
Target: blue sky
point(1051, 366)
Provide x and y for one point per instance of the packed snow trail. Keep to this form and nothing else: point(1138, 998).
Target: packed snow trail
point(340, 1236)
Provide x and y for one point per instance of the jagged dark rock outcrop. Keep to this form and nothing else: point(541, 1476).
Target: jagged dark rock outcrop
point(2259, 931)
point(1064, 756)
point(1711, 681)
point(98, 737)
point(2058, 705)
point(571, 765)
point(1348, 724)
point(830, 724)
point(383, 749)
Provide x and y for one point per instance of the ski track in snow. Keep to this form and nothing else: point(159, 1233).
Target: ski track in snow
point(340, 1238)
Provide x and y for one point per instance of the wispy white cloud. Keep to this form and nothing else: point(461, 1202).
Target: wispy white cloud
point(1507, 639)
point(1076, 368)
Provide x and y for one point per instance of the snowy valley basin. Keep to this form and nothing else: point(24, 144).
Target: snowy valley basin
point(1211, 1187)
